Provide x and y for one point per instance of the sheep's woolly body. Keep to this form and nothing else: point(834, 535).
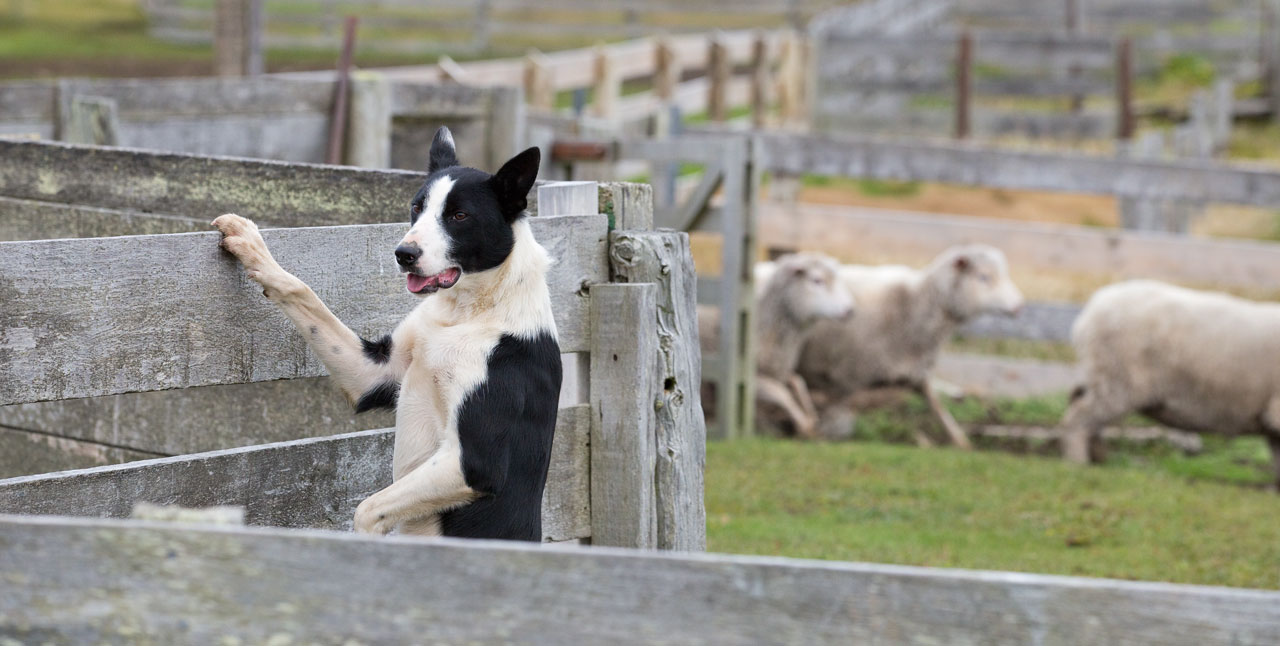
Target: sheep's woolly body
point(1194, 360)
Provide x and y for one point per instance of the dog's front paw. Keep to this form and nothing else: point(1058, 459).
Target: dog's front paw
point(240, 237)
point(370, 520)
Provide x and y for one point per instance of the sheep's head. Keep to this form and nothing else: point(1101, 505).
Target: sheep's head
point(974, 280)
point(809, 290)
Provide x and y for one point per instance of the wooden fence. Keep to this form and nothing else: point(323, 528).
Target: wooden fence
point(92, 581)
point(243, 376)
point(956, 72)
point(475, 26)
point(390, 123)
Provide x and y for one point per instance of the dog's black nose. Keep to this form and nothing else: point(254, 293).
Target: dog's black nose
point(407, 254)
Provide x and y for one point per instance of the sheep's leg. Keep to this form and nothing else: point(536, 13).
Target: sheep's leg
point(949, 423)
point(771, 392)
point(1083, 422)
point(801, 392)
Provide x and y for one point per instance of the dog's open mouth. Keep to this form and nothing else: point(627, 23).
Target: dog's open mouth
point(420, 284)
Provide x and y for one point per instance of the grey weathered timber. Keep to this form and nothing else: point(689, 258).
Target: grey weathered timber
point(569, 198)
point(980, 165)
point(1036, 322)
point(93, 120)
point(34, 220)
point(663, 258)
point(314, 482)
point(176, 422)
point(624, 368)
point(25, 452)
point(161, 336)
point(278, 118)
point(108, 581)
point(628, 205)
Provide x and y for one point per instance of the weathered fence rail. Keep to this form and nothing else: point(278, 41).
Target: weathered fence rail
point(204, 584)
point(391, 122)
point(477, 25)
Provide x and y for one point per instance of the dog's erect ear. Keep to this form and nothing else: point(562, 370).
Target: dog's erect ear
point(513, 181)
point(443, 153)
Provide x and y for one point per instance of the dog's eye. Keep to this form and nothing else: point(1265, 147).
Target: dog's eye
point(415, 208)
point(459, 216)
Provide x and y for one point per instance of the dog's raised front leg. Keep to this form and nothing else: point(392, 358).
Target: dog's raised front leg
point(435, 486)
point(367, 372)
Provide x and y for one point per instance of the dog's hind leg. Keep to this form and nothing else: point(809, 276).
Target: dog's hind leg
point(367, 372)
point(432, 487)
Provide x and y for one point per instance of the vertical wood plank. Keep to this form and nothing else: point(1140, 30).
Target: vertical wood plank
point(624, 345)
point(666, 70)
point(568, 198)
point(663, 258)
point(92, 120)
point(791, 71)
point(628, 204)
point(607, 84)
point(718, 75)
point(539, 90)
point(1124, 90)
point(237, 38)
point(964, 70)
point(759, 81)
point(369, 127)
point(506, 123)
point(338, 120)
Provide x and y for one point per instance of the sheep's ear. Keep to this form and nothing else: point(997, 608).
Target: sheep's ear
point(513, 181)
point(443, 152)
point(962, 264)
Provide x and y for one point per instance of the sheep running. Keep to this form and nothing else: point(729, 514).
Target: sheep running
point(1192, 360)
point(792, 294)
point(904, 317)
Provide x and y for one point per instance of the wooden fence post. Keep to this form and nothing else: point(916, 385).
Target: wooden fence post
point(1075, 19)
point(1271, 71)
point(237, 38)
point(1124, 90)
point(791, 72)
point(624, 350)
point(338, 120)
point(964, 69)
point(664, 259)
point(480, 30)
point(719, 73)
point(369, 131)
point(92, 120)
point(607, 85)
point(759, 81)
point(539, 90)
point(666, 70)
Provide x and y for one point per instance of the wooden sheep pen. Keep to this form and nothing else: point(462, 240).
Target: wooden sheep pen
point(390, 122)
point(98, 317)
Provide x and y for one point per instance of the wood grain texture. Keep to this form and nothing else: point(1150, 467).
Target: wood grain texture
point(175, 311)
point(313, 482)
point(979, 165)
point(624, 351)
point(106, 581)
point(663, 258)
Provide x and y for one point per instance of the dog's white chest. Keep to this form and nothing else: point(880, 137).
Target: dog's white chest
point(448, 363)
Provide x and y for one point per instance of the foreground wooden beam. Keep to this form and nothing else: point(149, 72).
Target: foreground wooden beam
point(91, 581)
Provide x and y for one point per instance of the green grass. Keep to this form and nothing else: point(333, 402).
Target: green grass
point(868, 187)
point(861, 501)
point(1016, 348)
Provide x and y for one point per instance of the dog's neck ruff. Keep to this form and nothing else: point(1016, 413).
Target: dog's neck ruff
point(515, 292)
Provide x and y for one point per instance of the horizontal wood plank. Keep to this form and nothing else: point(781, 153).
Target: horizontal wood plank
point(88, 581)
point(175, 311)
point(314, 482)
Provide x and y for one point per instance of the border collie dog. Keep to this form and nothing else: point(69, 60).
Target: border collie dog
point(473, 372)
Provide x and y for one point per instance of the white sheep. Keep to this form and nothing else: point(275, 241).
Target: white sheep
point(904, 317)
point(792, 294)
point(1192, 360)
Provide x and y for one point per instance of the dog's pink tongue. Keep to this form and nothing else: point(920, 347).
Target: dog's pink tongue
point(417, 283)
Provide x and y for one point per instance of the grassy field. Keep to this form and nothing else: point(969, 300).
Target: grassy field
point(872, 501)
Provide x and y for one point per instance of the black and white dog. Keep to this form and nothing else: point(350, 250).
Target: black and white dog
point(473, 372)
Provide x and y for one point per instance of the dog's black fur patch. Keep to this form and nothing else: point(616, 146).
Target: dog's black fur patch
point(489, 204)
point(506, 426)
point(378, 351)
point(383, 395)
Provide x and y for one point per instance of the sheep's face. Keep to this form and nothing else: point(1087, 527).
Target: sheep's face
point(812, 291)
point(981, 284)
